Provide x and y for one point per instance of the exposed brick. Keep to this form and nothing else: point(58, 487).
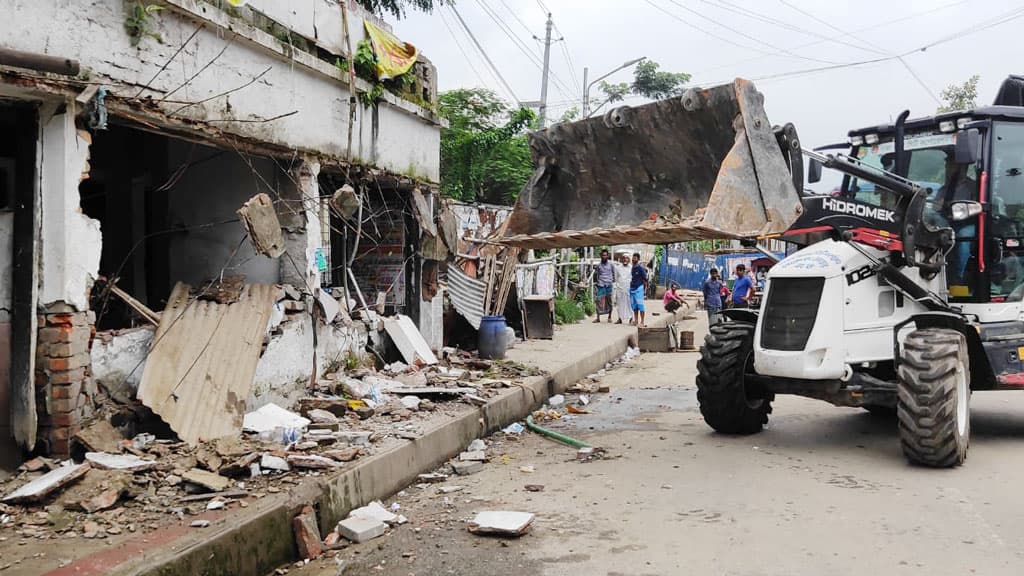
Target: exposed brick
point(60, 447)
point(69, 390)
point(63, 349)
point(60, 308)
point(60, 406)
point(65, 432)
point(53, 334)
point(66, 376)
point(64, 419)
point(80, 360)
point(67, 319)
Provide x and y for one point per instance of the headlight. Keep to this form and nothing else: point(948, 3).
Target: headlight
point(856, 140)
point(964, 210)
point(962, 122)
point(871, 139)
point(947, 126)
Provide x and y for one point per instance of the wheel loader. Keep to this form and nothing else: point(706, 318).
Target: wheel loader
point(907, 294)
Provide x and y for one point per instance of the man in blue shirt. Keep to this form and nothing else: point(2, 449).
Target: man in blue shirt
point(637, 290)
point(712, 289)
point(742, 289)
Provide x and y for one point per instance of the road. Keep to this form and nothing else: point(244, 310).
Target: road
point(822, 490)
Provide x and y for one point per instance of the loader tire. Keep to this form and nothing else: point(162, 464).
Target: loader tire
point(934, 393)
point(728, 403)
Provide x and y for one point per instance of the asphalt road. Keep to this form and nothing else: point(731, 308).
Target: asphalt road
point(822, 490)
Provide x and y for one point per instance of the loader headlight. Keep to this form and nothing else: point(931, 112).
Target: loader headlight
point(947, 126)
point(871, 139)
point(961, 123)
point(856, 140)
point(964, 210)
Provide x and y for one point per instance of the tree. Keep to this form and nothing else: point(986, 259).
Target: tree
point(649, 82)
point(397, 8)
point(484, 152)
point(960, 96)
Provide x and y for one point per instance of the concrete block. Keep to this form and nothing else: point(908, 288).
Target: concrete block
point(467, 468)
point(361, 529)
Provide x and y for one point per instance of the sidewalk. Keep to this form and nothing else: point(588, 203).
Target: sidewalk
point(257, 539)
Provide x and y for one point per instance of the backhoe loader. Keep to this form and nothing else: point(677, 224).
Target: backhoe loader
point(908, 292)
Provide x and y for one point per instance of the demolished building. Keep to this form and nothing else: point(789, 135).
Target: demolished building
point(136, 131)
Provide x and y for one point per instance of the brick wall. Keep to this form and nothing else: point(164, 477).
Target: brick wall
point(65, 389)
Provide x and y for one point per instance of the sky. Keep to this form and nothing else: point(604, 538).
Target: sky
point(797, 51)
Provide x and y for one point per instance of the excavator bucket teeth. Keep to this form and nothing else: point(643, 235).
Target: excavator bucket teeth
point(706, 165)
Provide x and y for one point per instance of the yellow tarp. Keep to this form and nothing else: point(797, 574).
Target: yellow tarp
point(393, 57)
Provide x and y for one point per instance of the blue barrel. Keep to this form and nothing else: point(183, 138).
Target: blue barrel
point(492, 341)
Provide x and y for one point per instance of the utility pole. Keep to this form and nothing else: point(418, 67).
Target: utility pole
point(544, 74)
point(586, 94)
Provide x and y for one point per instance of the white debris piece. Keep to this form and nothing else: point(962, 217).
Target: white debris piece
point(52, 480)
point(215, 505)
point(271, 462)
point(407, 338)
point(376, 511)
point(501, 522)
point(556, 401)
point(361, 529)
point(321, 416)
point(271, 416)
point(410, 402)
point(477, 445)
point(126, 462)
point(477, 456)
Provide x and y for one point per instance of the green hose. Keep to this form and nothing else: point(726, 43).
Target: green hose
point(555, 435)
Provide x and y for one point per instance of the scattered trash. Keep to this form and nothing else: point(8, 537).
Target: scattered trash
point(477, 445)
point(501, 523)
point(527, 469)
point(584, 400)
point(574, 410)
point(556, 401)
point(514, 428)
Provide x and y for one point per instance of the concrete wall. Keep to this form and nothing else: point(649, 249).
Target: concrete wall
point(402, 137)
point(119, 359)
point(284, 370)
point(72, 243)
point(6, 268)
point(212, 191)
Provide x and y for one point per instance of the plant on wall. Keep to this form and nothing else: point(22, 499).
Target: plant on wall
point(138, 23)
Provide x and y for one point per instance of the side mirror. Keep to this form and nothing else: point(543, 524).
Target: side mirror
point(813, 171)
point(960, 211)
point(968, 146)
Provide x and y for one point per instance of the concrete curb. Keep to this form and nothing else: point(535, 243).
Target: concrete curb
point(261, 540)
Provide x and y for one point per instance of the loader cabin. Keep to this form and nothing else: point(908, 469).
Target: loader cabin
point(972, 158)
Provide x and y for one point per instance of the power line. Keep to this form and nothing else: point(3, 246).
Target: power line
point(465, 55)
point(484, 54)
point(572, 67)
point(743, 34)
point(516, 16)
point(713, 35)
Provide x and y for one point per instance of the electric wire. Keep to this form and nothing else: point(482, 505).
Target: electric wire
point(484, 54)
point(458, 43)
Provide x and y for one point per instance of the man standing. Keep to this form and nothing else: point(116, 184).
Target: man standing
point(712, 289)
point(638, 290)
point(605, 274)
point(623, 308)
point(742, 289)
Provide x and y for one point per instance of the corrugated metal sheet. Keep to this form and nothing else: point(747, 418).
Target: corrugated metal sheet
point(200, 369)
point(467, 295)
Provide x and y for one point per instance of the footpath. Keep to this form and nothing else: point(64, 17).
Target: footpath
point(258, 538)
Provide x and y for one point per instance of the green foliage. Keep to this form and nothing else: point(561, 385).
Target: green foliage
point(484, 152)
point(138, 23)
point(567, 311)
point(960, 96)
point(366, 68)
point(649, 82)
point(397, 8)
point(365, 62)
point(570, 115)
point(585, 302)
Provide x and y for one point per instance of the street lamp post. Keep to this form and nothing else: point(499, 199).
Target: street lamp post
point(586, 85)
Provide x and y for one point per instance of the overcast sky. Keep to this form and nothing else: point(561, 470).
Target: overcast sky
point(717, 40)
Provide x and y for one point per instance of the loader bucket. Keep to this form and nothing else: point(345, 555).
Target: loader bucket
point(706, 165)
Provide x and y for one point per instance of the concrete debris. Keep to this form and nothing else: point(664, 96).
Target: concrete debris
point(271, 462)
point(345, 201)
point(208, 480)
point(534, 487)
point(336, 405)
point(376, 511)
point(90, 529)
point(355, 438)
point(208, 459)
point(259, 218)
point(272, 416)
point(467, 468)
point(307, 534)
point(475, 456)
point(432, 478)
point(361, 529)
point(342, 454)
point(407, 338)
point(556, 401)
point(36, 464)
point(477, 445)
point(319, 416)
point(216, 505)
point(410, 402)
point(126, 462)
point(527, 469)
point(99, 436)
point(199, 524)
point(55, 479)
point(240, 466)
point(311, 461)
point(501, 523)
point(450, 489)
point(140, 441)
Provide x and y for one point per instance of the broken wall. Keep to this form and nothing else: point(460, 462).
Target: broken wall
point(242, 79)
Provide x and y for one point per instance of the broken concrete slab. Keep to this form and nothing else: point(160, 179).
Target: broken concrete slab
point(407, 338)
point(342, 454)
point(354, 438)
point(319, 416)
point(307, 534)
point(311, 461)
point(360, 530)
point(240, 466)
point(100, 436)
point(474, 456)
point(53, 480)
point(126, 462)
point(208, 480)
point(376, 511)
point(410, 402)
point(501, 523)
point(336, 406)
point(271, 416)
point(432, 478)
point(467, 468)
point(104, 500)
point(271, 462)
point(259, 218)
point(477, 445)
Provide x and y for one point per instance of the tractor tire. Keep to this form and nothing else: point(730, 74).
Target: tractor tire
point(934, 394)
point(727, 402)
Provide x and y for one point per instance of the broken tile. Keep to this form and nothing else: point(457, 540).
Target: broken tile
point(125, 462)
point(208, 480)
point(53, 480)
point(361, 529)
point(502, 523)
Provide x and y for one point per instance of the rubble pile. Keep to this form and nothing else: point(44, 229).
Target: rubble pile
point(116, 485)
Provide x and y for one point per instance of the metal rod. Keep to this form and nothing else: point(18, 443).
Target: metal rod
point(39, 62)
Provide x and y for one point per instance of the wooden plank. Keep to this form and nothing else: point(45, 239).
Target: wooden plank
point(140, 308)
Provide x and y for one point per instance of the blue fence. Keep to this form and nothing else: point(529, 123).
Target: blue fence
point(690, 269)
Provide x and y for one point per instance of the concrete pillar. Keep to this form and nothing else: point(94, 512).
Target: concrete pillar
point(299, 213)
